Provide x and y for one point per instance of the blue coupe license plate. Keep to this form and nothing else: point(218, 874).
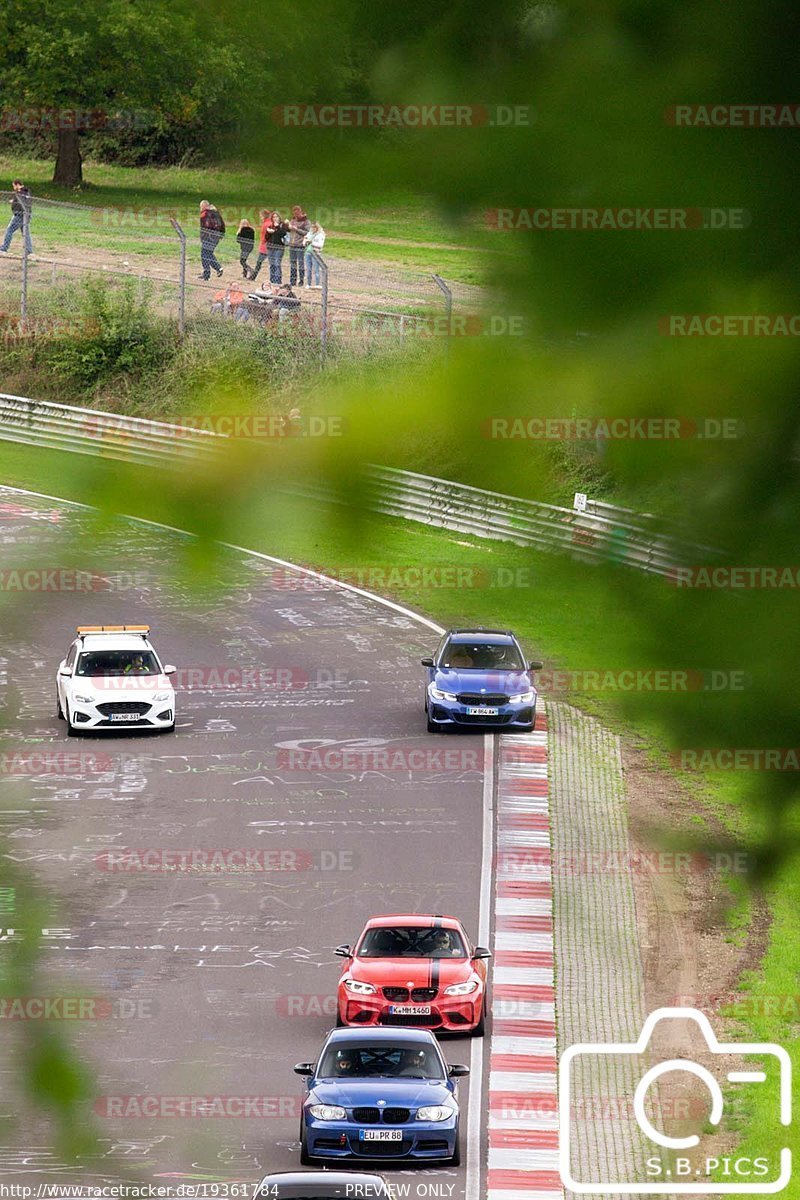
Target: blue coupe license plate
point(381, 1135)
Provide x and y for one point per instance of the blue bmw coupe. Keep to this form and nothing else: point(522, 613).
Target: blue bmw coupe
point(380, 1094)
point(480, 677)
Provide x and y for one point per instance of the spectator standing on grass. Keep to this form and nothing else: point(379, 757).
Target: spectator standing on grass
point(20, 201)
point(246, 237)
point(212, 231)
point(299, 226)
point(266, 218)
point(314, 240)
point(276, 243)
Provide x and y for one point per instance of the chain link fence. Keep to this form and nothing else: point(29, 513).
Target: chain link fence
point(82, 256)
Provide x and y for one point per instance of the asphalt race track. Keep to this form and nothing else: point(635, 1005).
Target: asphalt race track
point(219, 980)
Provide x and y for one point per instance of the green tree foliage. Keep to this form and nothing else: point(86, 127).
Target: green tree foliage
point(146, 64)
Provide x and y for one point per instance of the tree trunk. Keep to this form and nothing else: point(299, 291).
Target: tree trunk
point(69, 165)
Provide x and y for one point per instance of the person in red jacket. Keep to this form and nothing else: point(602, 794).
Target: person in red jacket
point(265, 217)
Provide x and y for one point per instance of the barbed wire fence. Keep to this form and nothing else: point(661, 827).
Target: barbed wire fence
point(82, 256)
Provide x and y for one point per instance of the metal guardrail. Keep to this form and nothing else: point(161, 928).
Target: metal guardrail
point(601, 533)
point(87, 431)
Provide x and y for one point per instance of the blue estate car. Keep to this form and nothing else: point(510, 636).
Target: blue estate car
point(380, 1094)
point(480, 677)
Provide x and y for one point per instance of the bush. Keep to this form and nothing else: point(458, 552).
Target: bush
point(113, 332)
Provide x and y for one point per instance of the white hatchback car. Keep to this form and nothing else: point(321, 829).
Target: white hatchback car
point(112, 678)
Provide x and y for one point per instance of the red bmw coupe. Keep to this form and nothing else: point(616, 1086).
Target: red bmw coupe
point(414, 970)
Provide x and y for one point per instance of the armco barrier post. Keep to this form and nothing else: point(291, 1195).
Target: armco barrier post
point(448, 305)
point(26, 233)
point(323, 332)
point(181, 278)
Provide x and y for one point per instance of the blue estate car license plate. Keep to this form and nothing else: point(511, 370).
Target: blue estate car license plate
point(482, 711)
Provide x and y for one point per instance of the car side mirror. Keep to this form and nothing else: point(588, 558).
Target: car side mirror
point(481, 952)
point(169, 669)
point(457, 1070)
point(343, 952)
point(535, 665)
point(426, 662)
point(62, 670)
point(303, 1069)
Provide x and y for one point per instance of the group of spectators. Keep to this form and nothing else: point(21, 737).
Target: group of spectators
point(300, 235)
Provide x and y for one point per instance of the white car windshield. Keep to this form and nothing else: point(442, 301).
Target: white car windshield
point(117, 662)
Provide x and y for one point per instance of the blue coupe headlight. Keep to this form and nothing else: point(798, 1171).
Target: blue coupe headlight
point(327, 1112)
point(435, 1113)
point(436, 694)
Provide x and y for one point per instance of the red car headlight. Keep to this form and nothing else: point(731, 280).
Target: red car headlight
point(462, 989)
point(359, 988)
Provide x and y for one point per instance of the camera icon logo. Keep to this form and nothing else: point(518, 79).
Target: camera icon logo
point(664, 1179)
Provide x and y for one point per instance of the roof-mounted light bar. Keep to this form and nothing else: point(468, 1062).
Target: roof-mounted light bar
point(84, 630)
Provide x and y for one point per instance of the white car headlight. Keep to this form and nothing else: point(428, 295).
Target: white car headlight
point(360, 988)
point(435, 1112)
point(83, 699)
point(327, 1112)
point(461, 989)
point(162, 696)
point(436, 694)
point(524, 698)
